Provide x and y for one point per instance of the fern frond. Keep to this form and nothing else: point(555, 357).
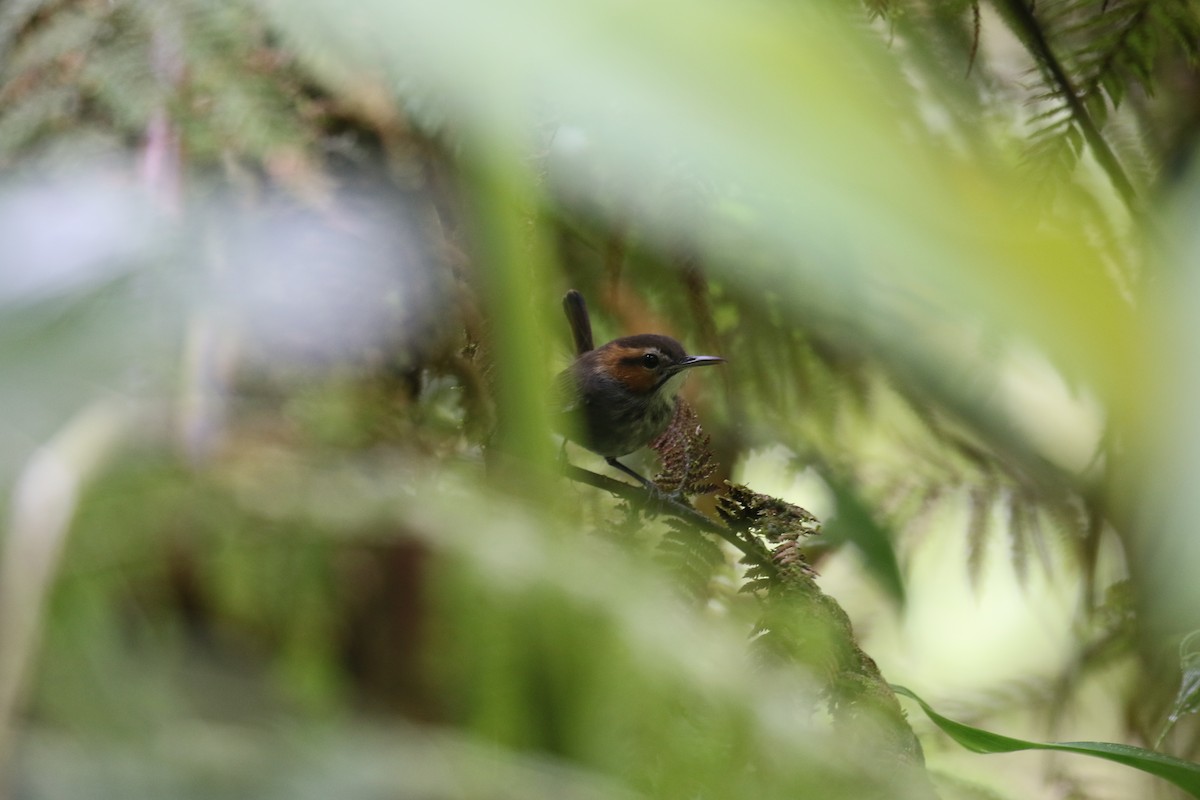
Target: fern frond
point(1018, 535)
point(14, 16)
point(692, 558)
point(781, 526)
point(1092, 54)
point(686, 454)
point(29, 118)
point(877, 9)
point(979, 523)
point(63, 34)
point(113, 66)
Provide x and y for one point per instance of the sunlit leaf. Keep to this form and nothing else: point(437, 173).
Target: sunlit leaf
point(1184, 774)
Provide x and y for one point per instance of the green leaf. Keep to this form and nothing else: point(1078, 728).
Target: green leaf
point(1187, 699)
point(1184, 774)
point(854, 523)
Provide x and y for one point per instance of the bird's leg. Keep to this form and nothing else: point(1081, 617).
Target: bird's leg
point(655, 498)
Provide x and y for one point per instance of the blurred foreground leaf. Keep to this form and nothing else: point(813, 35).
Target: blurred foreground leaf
point(206, 761)
point(813, 188)
point(529, 642)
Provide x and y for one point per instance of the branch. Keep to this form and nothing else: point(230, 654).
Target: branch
point(665, 504)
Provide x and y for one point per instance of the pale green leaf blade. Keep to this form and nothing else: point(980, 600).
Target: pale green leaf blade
point(1184, 774)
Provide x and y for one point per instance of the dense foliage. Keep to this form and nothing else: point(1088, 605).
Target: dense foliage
point(280, 317)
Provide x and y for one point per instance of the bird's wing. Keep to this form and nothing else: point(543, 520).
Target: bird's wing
point(564, 394)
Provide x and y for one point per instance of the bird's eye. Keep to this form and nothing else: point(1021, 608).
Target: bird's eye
point(650, 361)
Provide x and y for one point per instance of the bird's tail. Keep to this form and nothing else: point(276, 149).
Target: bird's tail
point(575, 308)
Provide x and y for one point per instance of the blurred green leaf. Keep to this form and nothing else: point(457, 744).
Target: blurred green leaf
point(792, 105)
point(855, 524)
point(357, 759)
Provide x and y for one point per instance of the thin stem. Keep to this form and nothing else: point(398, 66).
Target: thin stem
point(667, 505)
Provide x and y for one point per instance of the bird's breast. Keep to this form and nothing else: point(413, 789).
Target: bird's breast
point(606, 418)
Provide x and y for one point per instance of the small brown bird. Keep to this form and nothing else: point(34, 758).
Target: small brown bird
point(620, 397)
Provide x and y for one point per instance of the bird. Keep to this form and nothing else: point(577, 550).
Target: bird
point(620, 397)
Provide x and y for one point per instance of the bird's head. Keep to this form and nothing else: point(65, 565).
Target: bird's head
point(648, 363)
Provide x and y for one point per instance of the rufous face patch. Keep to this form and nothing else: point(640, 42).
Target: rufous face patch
point(627, 365)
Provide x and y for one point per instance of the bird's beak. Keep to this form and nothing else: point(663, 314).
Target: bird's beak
point(699, 361)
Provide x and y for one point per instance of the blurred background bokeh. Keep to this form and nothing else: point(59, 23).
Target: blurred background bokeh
point(280, 311)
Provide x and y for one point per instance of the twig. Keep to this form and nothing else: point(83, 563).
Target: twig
point(668, 505)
